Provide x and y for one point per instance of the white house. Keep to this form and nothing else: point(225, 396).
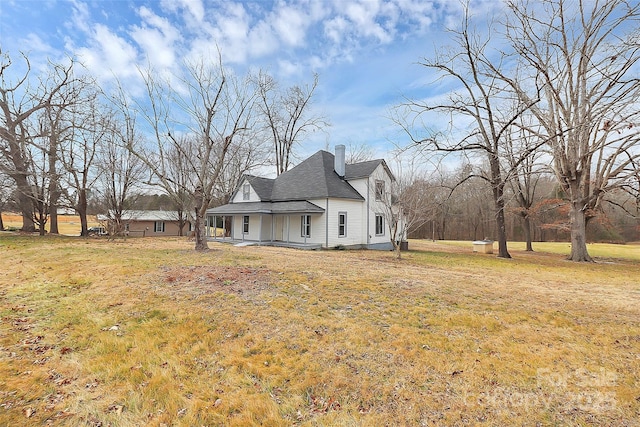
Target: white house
point(320, 203)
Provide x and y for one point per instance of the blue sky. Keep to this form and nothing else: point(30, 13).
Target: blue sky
point(365, 51)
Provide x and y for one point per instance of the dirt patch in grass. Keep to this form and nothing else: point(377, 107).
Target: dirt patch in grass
point(197, 281)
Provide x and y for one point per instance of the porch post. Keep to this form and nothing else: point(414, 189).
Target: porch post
point(224, 227)
point(288, 226)
point(215, 227)
point(260, 231)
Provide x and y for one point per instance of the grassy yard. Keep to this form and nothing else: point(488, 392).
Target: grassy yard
point(148, 332)
point(68, 225)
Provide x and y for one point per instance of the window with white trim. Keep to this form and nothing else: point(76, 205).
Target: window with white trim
point(158, 227)
point(246, 192)
point(305, 226)
point(379, 190)
point(379, 225)
point(245, 224)
point(342, 224)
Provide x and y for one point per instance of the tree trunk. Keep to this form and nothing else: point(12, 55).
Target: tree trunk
point(578, 219)
point(201, 211)
point(24, 201)
point(53, 221)
point(502, 232)
point(54, 188)
point(81, 209)
point(200, 231)
point(527, 232)
point(1, 223)
point(498, 198)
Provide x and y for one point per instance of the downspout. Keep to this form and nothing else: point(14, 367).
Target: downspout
point(326, 225)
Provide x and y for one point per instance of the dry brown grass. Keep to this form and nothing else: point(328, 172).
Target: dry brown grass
point(148, 332)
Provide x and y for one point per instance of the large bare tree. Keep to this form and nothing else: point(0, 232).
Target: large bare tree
point(476, 113)
point(22, 96)
point(211, 108)
point(583, 58)
point(287, 116)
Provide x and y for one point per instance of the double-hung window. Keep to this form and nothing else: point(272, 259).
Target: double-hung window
point(245, 224)
point(379, 190)
point(158, 227)
point(379, 225)
point(342, 224)
point(305, 226)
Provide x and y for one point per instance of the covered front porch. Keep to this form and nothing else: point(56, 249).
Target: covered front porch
point(284, 224)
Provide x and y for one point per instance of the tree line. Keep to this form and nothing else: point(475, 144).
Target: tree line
point(191, 135)
point(551, 87)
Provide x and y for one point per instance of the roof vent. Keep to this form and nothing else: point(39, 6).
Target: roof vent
point(339, 160)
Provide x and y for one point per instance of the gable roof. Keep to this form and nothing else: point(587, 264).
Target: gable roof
point(262, 186)
point(365, 169)
point(314, 178)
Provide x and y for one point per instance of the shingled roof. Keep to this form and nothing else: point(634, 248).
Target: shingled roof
point(262, 186)
point(365, 169)
point(314, 178)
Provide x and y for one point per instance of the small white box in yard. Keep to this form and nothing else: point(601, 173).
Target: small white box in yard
point(483, 246)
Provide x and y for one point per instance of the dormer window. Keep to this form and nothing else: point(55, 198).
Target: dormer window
point(379, 190)
point(246, 191)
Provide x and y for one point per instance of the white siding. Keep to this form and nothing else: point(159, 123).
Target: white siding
point(353, 209)
point(239, 196)
point(378, 207)
point(371, 207)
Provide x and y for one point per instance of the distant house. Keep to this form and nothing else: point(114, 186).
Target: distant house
point(320, 203)
point(140, 223)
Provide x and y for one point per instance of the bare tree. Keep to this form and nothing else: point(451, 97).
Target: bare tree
point(287, 116)
point(583, 58)
point(357, 153)
point(21, 98)
point(121, 171)
point(92, 126)
point(406, 206)
point(524, 172)
point(479, 103)
point(214, 109)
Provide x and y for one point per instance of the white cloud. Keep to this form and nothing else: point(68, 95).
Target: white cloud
point(80, 17)
point(157, 38)
point(261, 40)
point(291, 25)
point(36, 44)
point(336, 28)
point(194, 8)
point(108, 55)
point(364, 15)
